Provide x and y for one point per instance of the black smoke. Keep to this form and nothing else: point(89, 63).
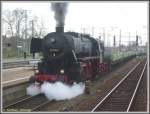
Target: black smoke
point(60, 10)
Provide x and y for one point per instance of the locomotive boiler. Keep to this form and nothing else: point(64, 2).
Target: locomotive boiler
point(67, 56)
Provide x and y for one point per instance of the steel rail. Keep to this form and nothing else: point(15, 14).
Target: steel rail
point(22, 100)
point(28, 98)
point(137, 86)
point(116, 86)
point(20, 63)
point(42, 105)
point(14, 64)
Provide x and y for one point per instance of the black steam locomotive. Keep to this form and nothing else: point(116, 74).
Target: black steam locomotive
point(68, 57)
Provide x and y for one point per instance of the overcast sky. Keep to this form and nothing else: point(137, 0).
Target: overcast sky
point(112, 16)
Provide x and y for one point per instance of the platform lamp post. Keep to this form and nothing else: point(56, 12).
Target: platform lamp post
point(32, 23)
point(26, 32)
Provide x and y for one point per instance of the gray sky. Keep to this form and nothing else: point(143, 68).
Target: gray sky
point(112, 16)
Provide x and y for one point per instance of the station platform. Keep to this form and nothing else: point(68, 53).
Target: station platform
point(16, 75)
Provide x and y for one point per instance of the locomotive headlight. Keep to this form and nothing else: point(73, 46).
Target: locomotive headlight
point(53, 40)
point(36, 71)
point(62, 71)
point(54, 54)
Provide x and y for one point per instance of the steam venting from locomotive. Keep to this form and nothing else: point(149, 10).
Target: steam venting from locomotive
point(57, 91)
point(60, 10)
point(60, 91)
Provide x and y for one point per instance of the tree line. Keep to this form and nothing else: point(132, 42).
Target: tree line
point(21, 24)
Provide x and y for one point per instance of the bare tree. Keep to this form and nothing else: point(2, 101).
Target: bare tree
point(39, 27)
point(19, 15)
point(14, 19)
point(9, 19)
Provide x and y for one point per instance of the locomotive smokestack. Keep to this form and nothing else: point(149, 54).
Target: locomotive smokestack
point(60, 10)
point(60, 29)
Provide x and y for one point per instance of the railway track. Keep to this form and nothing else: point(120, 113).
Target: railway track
point(28, 104)
point(140, 99)
point(14, 90)
point(20, 63)
point(121, 97)
point(15, 64)
point(36, 103)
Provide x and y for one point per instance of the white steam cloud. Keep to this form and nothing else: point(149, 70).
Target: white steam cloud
point(33, 90)
point(59, 91)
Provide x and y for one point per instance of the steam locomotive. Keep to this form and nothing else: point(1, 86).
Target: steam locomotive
point(68, 57)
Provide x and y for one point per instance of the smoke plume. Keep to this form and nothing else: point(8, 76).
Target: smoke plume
point(60, 10)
